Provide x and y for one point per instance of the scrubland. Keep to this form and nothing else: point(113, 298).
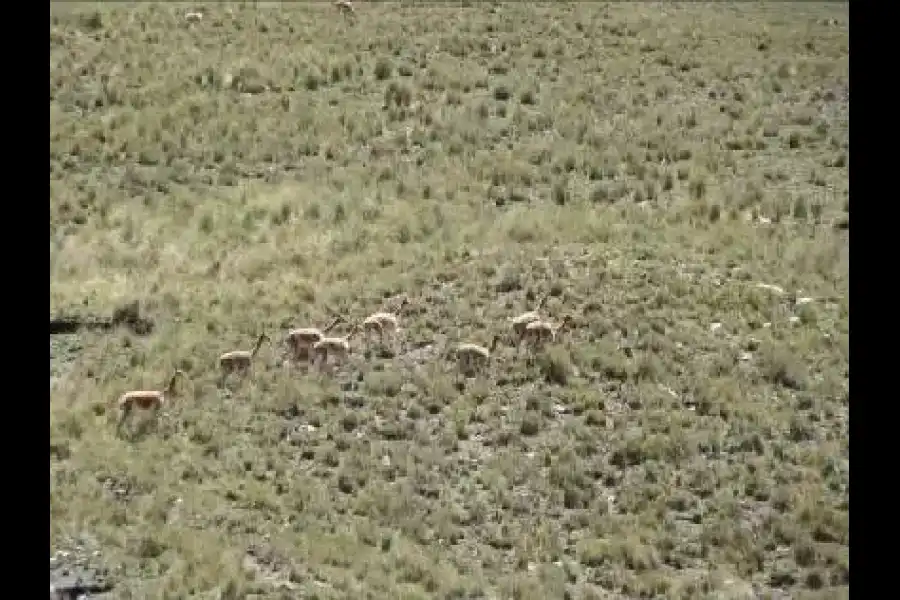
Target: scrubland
point(674, 176)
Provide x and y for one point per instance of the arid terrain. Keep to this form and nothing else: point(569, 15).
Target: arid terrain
point(672, 177)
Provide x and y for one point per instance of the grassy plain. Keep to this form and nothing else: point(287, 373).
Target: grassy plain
point(647, 165)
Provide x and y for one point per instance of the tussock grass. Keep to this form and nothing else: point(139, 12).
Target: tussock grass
point(648, 165)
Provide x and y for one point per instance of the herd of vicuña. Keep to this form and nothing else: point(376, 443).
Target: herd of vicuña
point(321, 349)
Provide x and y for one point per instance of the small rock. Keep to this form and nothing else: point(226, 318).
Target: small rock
point(611, 503)
point(738, 589)
point(668, 390)
point(76, 586)
point(772, 288)
point(714, 327)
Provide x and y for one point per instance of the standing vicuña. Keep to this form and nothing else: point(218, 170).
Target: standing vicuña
point(240, 360)
point(384, 322)
point(522, 321)
point(472, 358)
point(146, 399)
point(538, 333)
point(300, 340)
point(338, 347)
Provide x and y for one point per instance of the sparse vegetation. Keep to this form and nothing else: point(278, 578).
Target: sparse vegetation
point(644, 165)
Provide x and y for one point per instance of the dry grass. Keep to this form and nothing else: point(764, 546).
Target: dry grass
point(646, 164)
